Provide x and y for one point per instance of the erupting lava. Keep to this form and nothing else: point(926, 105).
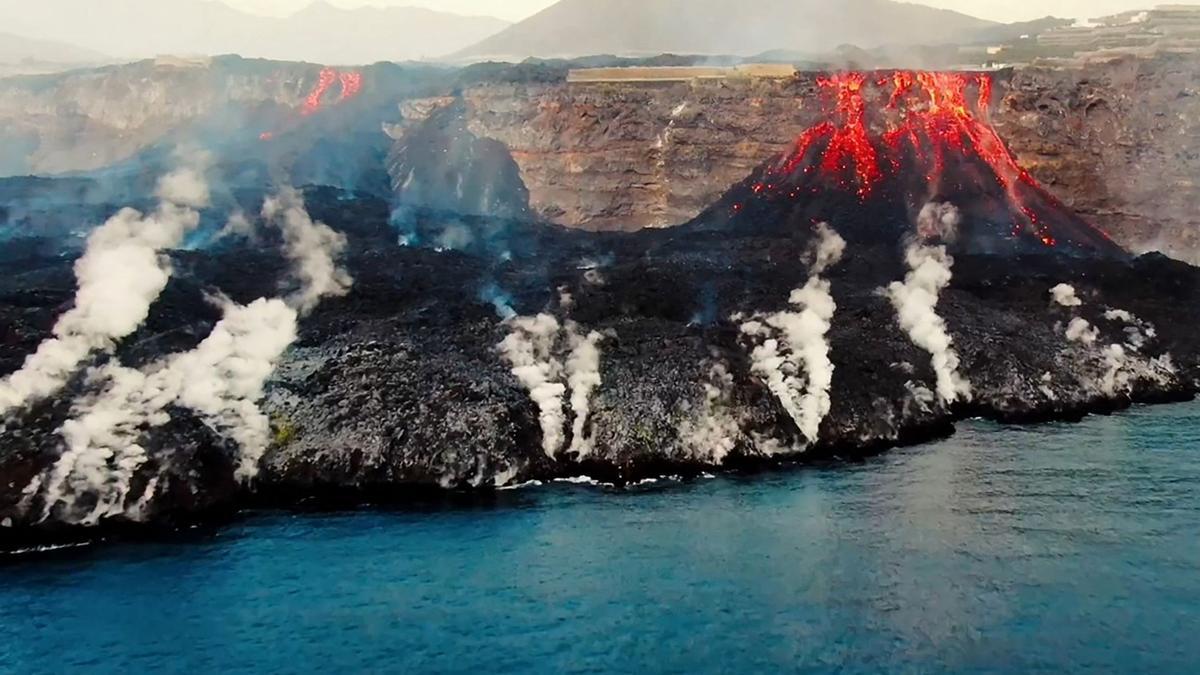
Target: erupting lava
point(919, 135)
point(350, 82)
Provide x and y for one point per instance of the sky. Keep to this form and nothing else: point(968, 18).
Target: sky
point(515, 10)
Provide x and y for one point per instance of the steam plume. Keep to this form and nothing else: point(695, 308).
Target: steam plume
point(222, 380)
point(915, 300)
point(583, 377)
point(1082, 331)
point(792, 352)
point(534, 349)
point(1064, 294)
point(713, 432)
point(121, 273)
point(530, 350)
point(313, 247)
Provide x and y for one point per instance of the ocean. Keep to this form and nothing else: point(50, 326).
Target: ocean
point(1056, 548)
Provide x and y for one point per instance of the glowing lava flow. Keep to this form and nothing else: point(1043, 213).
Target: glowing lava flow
point(905, 125)
point(325, 80)
point(351, 83)
point(850, 146)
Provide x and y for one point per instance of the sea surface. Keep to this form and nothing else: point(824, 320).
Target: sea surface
point(1061, 548)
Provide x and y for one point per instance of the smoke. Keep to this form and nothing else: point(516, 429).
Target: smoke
point(534, 348)
point(313, 249)
point(791, 355)
point(939, 221)
point(1120, 364)
point(583, 378)
point(222, 380)
point(529, 347)
point(915, 300)
point(1082, 331)
point(713, 432)
point(120, 274)
point(1064, 294)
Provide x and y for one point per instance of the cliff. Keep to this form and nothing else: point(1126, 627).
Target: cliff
point(1116, 141)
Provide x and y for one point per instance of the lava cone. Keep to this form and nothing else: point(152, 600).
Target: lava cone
point(893, 142)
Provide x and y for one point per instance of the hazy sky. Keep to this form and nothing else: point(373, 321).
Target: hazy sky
point(513, 10)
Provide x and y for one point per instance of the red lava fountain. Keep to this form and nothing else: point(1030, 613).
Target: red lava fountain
point(921, 134)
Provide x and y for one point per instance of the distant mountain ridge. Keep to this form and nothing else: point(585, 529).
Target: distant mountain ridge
point(17, 49)
point(640, 27)
point(320, 33)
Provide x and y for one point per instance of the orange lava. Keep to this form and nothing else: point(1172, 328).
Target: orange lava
point(350, 82)
point(928, 116)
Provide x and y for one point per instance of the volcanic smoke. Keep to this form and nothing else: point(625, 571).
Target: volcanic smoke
point(222, 380)
point(792, 353)
point(915, 299)
point(122, 272)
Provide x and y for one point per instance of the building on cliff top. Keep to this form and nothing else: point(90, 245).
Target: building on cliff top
point(777, 71)
point(182, 61)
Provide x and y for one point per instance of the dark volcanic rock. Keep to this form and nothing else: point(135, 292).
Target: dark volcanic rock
point(400, 388)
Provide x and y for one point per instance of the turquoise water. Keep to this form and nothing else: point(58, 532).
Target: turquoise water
point(1065, 548)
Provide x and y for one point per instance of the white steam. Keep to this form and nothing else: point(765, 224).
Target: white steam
point(534, 348)
point(1082, 331)
point(939, 221)
point(791, 353)
point(583, 378)
point(1119, 364)
point(222, 380)
point(313, 248)
point(529, 348)
point(1064, 294)
point(915, 300)
point(121, 274)
point(711, 433)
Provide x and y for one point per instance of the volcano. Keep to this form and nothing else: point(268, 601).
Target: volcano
point(891, 142)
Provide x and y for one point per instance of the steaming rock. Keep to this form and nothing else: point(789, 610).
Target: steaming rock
point(583, 377)
point(313, 248)
point(529, 347)
point(791, 353)
point(222, 380)
point(712, 432)
point(1064, 294)
point(915, 300)
point(120, 275)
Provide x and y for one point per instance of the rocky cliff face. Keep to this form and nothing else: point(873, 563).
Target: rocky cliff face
point(1119, 142)
point(1115, 141)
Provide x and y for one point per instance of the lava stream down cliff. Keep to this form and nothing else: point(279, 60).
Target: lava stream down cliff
point(351, 83)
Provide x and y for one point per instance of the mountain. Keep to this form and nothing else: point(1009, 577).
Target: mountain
point(634, 27)
point(320, 33)
point(17, 49)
